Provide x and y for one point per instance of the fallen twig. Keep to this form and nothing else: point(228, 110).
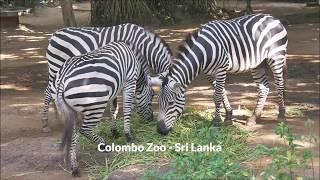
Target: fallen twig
point(64, 169)
point(22, 174)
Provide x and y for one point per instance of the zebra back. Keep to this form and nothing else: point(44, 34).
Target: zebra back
point(154, 53)
point(241, 44)
point(104, 69)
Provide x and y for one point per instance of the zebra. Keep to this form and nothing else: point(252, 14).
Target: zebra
point(85, 84)
point(153, 53)
point(247, 43)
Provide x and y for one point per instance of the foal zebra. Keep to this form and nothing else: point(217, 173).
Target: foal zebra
point(151, 51)
point(247, 43)
point(86, 83)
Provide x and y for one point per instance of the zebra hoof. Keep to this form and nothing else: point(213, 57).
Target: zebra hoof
point(46, 130)
point(75, 172)
point(129, 137)
point(251, 121)
point(281, 119)
point(228, 116)
point(227, 122)
point(115, 133)
point(216, 123)
point(215, 126)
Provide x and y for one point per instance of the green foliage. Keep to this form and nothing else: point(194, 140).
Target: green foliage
point(166, 10)
point(202, 166)
point(285, 158)
point(209, 7)
point(295, 111)
point(18, 3)
point(163, 10)
point(112, 12)
point(193, 127)
point(208, 165)
point(310, 137)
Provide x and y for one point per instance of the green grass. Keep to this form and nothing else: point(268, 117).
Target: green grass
point(234, 161)
point(192, 127)
point(295, 111)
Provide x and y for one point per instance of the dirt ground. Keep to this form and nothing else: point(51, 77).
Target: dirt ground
point(26, 153)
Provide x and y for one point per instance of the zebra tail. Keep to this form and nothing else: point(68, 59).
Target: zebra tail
point(285, 76)
point(69, 116)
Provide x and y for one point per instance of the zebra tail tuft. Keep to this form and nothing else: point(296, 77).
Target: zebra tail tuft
point(285, 76)
point(69, 116)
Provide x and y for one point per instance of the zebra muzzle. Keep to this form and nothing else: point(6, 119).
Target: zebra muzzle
point(162, 128)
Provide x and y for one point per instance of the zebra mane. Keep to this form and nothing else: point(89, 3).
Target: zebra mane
point(188, 41)
point(161, 41)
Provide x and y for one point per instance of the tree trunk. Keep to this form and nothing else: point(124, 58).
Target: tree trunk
point(249, 8)
point(67, 13)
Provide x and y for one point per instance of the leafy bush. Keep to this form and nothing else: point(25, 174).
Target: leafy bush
point(112, 12)
point(285, 158)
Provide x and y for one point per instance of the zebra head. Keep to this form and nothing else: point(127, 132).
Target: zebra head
point(171, 103)
point(144, 97)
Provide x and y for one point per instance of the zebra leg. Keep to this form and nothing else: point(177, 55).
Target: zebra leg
point(128, 99)
point(218, 95)
point(47, 100)
point(89, 123)
point(228, 119)
point(114, 111)
point(73, 153)
point(226, 104)
point(279, 74)
point(260, 78)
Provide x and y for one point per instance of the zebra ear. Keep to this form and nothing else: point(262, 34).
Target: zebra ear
point(176, 86)
point(156, 80)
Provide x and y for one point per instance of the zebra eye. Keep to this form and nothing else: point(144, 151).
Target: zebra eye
point(170, 103)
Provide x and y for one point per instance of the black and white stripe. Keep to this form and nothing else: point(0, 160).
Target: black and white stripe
point(248, 43)
point(86, 83)
point(153, 53)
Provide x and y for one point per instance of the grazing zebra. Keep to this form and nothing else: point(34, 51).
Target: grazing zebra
point(247, 43)
point(151, 51)
point(86, 83)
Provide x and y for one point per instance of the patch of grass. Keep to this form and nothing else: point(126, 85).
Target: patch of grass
point(244, 111)
point(232, 162)
point(287, 160)
point(192, 127)
point(295, 111)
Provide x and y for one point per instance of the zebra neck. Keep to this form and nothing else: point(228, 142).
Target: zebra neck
point(152, 49)
point(156, 54)
point(184, 71)
point(156, 51)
